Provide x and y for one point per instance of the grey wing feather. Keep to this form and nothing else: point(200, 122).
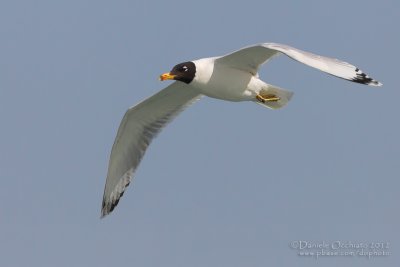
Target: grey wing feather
point(251, 58)
point(138, 127)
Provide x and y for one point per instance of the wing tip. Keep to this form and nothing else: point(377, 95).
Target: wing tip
point(376, 83)
point(368, 81)
point(108, 207)
point(363, 78)
point(111, 200)
point(104, 209)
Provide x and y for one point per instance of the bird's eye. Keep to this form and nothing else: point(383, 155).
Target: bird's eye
point(184, 68)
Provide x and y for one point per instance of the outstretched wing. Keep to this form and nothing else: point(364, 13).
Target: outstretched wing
point(250, 58)
point(138, 127)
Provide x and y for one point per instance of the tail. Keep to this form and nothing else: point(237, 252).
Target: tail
point(283, 97)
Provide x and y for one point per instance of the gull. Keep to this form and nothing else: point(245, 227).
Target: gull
point(233, 77)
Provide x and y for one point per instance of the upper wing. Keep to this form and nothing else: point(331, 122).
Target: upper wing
point(250, 58)
point(138, 127)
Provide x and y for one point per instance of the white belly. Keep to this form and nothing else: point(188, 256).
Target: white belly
point(226, 83)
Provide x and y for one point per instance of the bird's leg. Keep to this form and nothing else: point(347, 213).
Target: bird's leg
point(267, 97)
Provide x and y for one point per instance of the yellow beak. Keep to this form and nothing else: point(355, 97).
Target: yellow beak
point(167, 76)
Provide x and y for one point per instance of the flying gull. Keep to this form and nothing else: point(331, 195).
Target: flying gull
point(232, 77)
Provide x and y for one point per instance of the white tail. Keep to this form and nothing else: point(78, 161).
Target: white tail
point(284, 97)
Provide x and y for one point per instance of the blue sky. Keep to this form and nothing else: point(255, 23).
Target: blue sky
point(225, 184)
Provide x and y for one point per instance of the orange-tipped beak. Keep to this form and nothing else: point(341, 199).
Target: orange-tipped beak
point(166, 76)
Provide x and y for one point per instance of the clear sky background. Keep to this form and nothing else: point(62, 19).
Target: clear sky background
point(225, 184)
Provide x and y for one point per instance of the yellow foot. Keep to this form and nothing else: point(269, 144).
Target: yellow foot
point(267, 98)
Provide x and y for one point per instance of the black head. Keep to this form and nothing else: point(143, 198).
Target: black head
point(183, 72)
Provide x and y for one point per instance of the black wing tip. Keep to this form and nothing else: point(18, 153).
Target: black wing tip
point(363, 78)
point(104, 209)
point(107, 207)
point(111, 201)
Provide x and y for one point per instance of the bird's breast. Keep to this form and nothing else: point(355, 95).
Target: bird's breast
point(224, 83)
